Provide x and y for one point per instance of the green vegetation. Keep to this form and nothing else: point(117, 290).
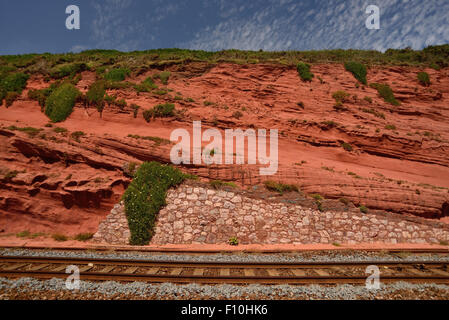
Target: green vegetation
point(341, 96)
point(280, 187)
point(32, 132)
point(145, 196)
point(344, 201)
point(304, 71)
point(77, 135)
point(60, 103)
point(160, 111)
point(84, 236)
point(363, 209)
point(163, 76)
point(60, 130)
point(424, 79)
point(358, 70)
point(10, 98)
point(117, 75)
point(217, 184)
point(233, 241)
point(141, 61)
point(70, 70)
point(146, 86)
point(346, 146)
point(376, 113)
point(96, 94)
point(385, 92)
point(237, 115)
point(59, 237)
point(390, 127)
point(135, 108)
point(11, 86)
point(158, 141)
point(121, 103)
point(368, 99)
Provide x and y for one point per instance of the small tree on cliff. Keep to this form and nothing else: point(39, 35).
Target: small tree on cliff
point(95, 96)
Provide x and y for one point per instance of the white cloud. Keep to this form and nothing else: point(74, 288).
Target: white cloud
point(332, 24)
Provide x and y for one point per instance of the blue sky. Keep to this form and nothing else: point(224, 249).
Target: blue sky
point(28, 26)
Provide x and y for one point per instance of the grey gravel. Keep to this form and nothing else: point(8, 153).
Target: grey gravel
point(162, 291)
point(242, 257)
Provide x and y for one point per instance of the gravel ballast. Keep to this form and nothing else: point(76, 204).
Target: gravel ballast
point(28, 288)
point(321, 256)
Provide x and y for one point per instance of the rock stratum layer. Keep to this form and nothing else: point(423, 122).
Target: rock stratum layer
point(53, 182)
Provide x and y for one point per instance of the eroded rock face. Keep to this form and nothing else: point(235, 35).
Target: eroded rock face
point(64, 185)
point(199, 215)
point(445, 210)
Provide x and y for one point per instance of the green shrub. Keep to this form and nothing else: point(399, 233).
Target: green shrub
point(117, 75)
point(164, 110)
point(77, 135)
point(374, 112)
point(60, 130)
point(158, 141)
point(217, 184)
point(59, 237)
point(424, 79)
point(346, 146)
point(10, 98)
point(385, 92)
point(368, 99)
point(147, 115)
point(233, 241)
point(363, 209)
point(32, 132)
point(135, 108)
point(145, 196)
point(60, 103)
point(163, 76)
point(304, 71)
point(121, 103)
point(280, 187)
point(95, 94)
point(237, 115)
point(14, 82)
point(146, 86)
point(84, 236)
point(65, 70)
point(358, 70)
point(390, 127)
point(341, 96)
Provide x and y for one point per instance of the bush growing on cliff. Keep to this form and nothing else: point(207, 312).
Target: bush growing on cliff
point(280, 187)
point(424, 79)
point(117, 75)
point(65, 70)
point(304, 71)
point(10, 98)
point(163, 76)
point(358, 70)
point(145, 196)
point(385, 92)
point(60, 103)
point(11, 86)
point(14, 82)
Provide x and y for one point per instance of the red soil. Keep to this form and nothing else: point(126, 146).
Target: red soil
point(69, 187)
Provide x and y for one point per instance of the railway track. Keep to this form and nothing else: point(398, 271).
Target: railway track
point(224, 272)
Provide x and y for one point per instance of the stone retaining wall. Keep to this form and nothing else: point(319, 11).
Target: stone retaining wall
point(201, 215)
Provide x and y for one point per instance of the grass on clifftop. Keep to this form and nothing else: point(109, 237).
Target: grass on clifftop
point(114, 65)
point(145, 197)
